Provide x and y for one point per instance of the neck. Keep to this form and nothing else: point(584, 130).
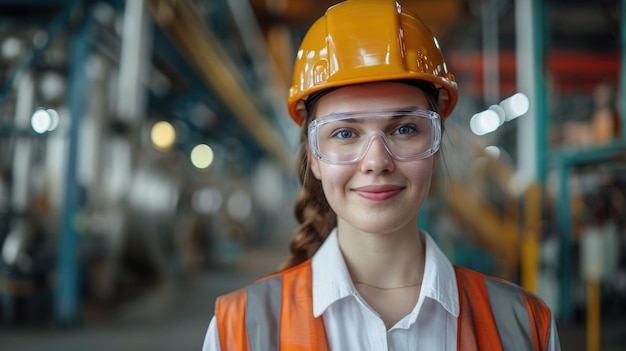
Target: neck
point(384, 261)
point(386, 288)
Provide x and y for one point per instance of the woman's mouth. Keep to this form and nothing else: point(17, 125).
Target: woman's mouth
point(378, 192)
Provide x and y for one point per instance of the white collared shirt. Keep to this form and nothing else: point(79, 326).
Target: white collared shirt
point(352, 325)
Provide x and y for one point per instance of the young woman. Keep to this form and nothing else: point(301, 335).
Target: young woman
point(370, 90)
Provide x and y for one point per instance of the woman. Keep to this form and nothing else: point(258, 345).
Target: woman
point(370, 89)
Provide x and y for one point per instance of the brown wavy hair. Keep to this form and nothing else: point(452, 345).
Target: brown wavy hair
point(311, 208)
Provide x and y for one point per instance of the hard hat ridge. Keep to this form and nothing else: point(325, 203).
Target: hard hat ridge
point(361, 41)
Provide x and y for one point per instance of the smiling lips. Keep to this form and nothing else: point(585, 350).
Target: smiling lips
point(378, 192)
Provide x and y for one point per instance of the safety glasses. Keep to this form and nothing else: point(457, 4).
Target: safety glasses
point(407, 134)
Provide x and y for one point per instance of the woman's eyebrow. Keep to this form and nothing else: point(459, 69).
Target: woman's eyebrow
point(350, 120)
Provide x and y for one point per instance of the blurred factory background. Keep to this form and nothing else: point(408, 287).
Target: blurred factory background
point(147, 160)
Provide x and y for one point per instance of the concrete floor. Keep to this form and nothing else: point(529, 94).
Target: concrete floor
point(175, 315)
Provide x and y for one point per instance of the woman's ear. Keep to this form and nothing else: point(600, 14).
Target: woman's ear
point(315, 166)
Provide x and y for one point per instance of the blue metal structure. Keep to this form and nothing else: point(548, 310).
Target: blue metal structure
point(566, 161)
point(56, 26)
point(67, 310)
point(177, 106)
point(539, 30)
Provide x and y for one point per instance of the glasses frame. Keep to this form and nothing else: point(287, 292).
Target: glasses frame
point(434, 117)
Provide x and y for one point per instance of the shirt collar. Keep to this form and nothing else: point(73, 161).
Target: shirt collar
point(439, 282)
point(331, 279)
point(332, 282)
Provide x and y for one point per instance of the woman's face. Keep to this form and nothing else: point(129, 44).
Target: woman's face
point(376, 194)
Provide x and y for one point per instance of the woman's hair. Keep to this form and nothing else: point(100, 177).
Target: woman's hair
point(312, 210)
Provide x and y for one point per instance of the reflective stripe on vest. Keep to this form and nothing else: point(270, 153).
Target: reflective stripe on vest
point(277, 310)
point(498, 315)
point(263, 314)
point(276, 313)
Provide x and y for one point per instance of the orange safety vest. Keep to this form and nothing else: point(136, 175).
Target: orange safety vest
point(276, 313)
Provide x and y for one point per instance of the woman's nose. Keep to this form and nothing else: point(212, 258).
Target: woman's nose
point(377, 158)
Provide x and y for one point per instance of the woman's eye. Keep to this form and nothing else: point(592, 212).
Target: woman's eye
point(344, 134)
point(406, 129)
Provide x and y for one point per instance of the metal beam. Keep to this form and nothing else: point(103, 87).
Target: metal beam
point(67, 298)
point(181, 21)
point(134, 63)
point(491, 60)
point(54, 28)
point(264, 66)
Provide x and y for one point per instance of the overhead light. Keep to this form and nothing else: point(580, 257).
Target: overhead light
point(52, 86)
point(484, 122)
point(163, 135)
point(11, 48)
point(202, 156)
point(44, 120)
point(493, 151)
point(515, 106)
point(207, 200)
point(500, 112)
point(489, 120)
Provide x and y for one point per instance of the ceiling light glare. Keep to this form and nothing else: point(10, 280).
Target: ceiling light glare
point(163, 135)
point(499, 111)
point(493, 151)
point(41, 121)
point(202, 156)
point(515, 106)
point(484, 122)
point(11, 48)
point(207, 200)
point(52, 86)
point(54, 119)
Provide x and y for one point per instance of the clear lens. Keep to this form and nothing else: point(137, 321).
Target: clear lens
point(407, 134)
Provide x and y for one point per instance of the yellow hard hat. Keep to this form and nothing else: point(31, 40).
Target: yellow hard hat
point(361, 41)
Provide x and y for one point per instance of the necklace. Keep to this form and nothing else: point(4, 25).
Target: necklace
point(391, 288)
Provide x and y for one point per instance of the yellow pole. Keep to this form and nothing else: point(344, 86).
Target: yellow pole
point(593, 315)
point(529, 261)
point(529, 242)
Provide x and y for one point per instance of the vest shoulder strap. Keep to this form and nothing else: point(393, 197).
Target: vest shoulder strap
point(230, 312)
point(274, 313)
point(301, 332)
point(499, 315)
